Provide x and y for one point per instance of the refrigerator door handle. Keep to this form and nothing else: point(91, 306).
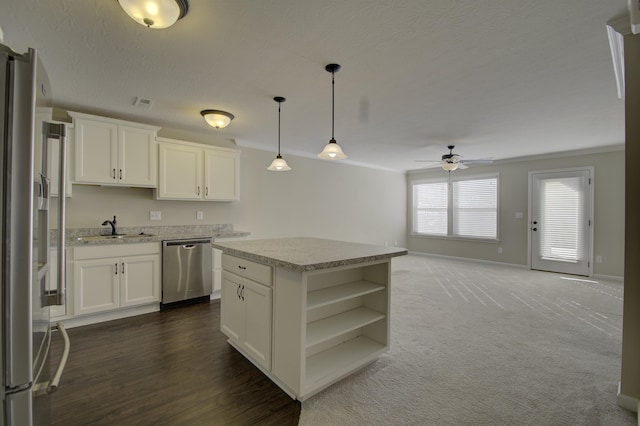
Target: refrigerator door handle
point(59, 131)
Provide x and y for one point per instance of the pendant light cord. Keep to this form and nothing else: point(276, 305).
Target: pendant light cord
point(333, 102)
point(279, 104)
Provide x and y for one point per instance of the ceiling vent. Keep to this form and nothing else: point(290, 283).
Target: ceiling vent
point(143, 103)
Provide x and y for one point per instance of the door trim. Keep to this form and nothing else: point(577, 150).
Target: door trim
point(591, 170)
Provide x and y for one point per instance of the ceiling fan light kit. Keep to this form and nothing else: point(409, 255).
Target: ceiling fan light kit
point(332, 151)
point(216, 118)
point(451, 162)
point(155, 14)
point(279, 164)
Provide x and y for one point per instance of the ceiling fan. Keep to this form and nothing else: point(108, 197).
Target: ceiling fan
point(451, 161)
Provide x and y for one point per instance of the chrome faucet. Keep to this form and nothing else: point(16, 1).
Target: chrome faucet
point(114, 225)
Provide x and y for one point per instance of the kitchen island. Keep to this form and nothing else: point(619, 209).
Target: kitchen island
point(306, 311)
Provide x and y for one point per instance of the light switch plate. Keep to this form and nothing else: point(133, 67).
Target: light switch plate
point(155, 215)
point(199, 215)
point(519, 215)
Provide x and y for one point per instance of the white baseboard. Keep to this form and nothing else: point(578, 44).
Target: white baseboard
point(608, 277)
point(106, 316)
point(629, 403)
point(470, 259)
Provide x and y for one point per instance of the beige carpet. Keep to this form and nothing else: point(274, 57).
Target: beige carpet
point(480, 344)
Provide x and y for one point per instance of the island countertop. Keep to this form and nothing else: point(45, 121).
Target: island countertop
point(307, 254)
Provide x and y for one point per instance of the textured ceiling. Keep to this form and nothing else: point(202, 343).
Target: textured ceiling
point(497, 78)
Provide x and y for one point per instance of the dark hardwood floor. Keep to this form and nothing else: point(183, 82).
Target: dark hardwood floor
point(166, 368)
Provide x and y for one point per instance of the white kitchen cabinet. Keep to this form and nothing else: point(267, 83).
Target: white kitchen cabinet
point(112, 277)
point(114, 152)
point(221, 175)
point(246, 305)
point(189, 171)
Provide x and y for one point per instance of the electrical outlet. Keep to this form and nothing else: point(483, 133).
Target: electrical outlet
point(499, 250)
point(155, 215)
point(199, 215)
point(598, 259)
point(519, 215)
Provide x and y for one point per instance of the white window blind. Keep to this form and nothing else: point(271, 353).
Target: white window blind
point(475, 208)
point(430, 201)
point(561, 201)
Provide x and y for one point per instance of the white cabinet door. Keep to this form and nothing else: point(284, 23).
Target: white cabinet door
point(221, 175)
point(257, 336)
point(96, 285)
point(96, 151)
point(180, 173)
point(139, 280)
point(137, 157)
point(232, 311)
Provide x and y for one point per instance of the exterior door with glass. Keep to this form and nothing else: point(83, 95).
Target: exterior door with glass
point(560, 225)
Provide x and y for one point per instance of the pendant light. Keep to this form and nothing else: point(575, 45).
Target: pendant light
point(332, 150)
point(156, 14)
point(279, 164)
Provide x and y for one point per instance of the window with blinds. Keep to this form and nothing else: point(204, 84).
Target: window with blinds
point(430, 201)
point(475, 208)
point(466, 208)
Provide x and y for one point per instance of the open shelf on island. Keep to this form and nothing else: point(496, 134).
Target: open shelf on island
point(330, 327)
point(332, 362)
point(337, 293)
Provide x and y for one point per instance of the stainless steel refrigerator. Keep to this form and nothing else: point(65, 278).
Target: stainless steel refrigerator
point(28, 374)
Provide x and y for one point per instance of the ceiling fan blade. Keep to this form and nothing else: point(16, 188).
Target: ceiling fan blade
point(476, 161)
point(428, 161)
point(461, 166)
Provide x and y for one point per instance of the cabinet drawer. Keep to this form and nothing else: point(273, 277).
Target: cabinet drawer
point(248, 269)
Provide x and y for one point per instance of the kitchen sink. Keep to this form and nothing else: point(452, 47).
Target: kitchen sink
point(112, 237)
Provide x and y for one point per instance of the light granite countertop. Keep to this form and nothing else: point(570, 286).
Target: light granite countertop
point(146, 234)
point(307, 254)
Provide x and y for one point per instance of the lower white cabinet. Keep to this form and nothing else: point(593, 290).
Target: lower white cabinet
point(115, 276)
point(246, 309)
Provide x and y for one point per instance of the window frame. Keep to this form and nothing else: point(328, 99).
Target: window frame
point(450, 212)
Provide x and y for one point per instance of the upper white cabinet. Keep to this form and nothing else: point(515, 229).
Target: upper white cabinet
point(189, 171)
point(114, 152)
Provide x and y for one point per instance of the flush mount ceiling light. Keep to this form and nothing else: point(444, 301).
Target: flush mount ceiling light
point(156, 14)
point(216, 118)
point(332, 150)
point(279, 164)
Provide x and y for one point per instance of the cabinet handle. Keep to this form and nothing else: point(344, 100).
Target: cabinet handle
point(120, 174)
point(238, 291)
point(198, 190)
point(114, 173)
point(116, 268)
point(242, 267)
point(123, 267)
point(242, 292)
point(206, 191)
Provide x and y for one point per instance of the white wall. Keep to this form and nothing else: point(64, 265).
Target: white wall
point(608, 218)
point(317, 199)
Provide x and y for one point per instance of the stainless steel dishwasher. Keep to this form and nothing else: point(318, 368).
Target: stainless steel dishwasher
point(187, 269)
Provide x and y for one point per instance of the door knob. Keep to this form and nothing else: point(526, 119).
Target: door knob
point(535, 222)
point(534, 229)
